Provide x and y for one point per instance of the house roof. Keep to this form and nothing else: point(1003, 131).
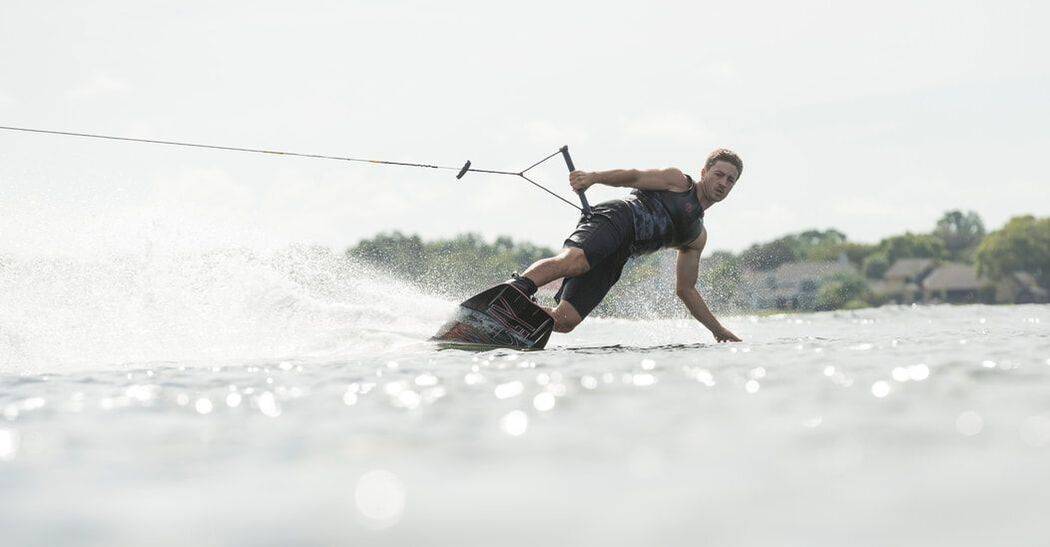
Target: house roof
point(953, 276)
point(892, 287)
point(1028, 281)
point(909, 268)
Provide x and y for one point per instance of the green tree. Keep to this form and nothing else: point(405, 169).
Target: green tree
point(912, 245)
point(843, 291)
point(816, 238)
point(855, 252)
point(1022, 245)
point(875, 265)
point(807, 245)
point(720, 280)
point(895, 248)
point(960, 232)
point(467, 263)
point(393, 251)
point(767, 256)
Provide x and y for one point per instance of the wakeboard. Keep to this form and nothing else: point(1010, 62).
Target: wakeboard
point(500, 317)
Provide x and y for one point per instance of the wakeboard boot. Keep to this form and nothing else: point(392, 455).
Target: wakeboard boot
point(523, 284)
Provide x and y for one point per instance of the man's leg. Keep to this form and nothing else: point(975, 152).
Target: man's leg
point(565, 316)
point(570, 262)
point(579, 295)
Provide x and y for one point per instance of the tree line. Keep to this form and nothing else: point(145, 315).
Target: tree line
point(467, 263)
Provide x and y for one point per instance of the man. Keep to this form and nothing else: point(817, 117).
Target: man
point(665, 210)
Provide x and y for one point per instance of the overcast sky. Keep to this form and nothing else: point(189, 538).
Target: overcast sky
point(873, 118)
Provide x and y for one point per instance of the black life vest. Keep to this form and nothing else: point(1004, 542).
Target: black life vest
point(665, 219)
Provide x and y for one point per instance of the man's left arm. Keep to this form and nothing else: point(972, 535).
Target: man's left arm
point(687, 270)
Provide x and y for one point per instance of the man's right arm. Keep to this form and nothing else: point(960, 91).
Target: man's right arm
point(653, 179)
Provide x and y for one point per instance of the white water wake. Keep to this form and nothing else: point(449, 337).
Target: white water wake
point(61, 314)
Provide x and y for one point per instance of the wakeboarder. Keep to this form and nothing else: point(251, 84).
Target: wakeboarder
point(665, 210)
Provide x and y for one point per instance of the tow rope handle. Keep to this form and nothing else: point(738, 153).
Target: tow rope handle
point(583, 198)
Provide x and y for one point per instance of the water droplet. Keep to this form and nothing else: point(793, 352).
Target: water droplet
point(509, 389)
point(426, 380)
point(643, 380)
point(900, 374)
point(543, 401)
point(589, 382)
point(648, 364)
point(233, 400)
point(9, 441)
point(751, 386)
point(988, 364)
point(434, 393)
point(33, 403)
point(919, 372)
point(880, 389)
point(380, 497)
point(203, 406)
point(514, 423)
point(267, 404)
point(409, 399)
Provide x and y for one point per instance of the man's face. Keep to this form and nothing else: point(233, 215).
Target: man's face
point(718, 180)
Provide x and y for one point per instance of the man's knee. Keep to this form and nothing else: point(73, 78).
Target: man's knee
point(575, 262)
point(565, 325)
point(565, 317)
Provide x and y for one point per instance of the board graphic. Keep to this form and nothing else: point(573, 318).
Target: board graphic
point(498, 317)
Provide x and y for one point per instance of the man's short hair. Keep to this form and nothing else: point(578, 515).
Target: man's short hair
point(726, 155)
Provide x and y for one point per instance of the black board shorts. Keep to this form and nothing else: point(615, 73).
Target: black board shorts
point(605, 239)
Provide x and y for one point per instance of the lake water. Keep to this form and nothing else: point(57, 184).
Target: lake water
point(228, 399)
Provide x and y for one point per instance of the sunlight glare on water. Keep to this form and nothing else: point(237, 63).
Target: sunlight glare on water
point(311, 385)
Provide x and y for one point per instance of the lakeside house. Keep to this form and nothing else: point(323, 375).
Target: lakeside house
point(1021, 288)
point(913, 280)
point(902, 283)
point(794, 285)
point(958, 284)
